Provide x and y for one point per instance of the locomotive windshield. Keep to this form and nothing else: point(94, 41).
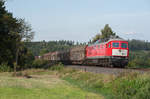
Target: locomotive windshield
point(116, 45)
point(123, 45)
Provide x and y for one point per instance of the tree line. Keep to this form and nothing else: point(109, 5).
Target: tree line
point(51, 46)
point(40, 48)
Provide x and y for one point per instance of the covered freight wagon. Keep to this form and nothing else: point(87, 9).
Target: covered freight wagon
point(78, 54)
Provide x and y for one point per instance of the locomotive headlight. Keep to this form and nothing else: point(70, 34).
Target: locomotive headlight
point(119, 52)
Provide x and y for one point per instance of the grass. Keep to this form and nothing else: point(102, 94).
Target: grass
point(66, 83)
point(130, 85)
point(90, 82)
point(42, 85)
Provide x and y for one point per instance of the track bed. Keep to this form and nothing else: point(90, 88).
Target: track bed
point(104, 70)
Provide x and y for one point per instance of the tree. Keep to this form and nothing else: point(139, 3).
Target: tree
point(26, 33)
point(97, 37)
point(13, 33)
point(106, 33)
point(2, 8)
point(8, 29)
point(25, 58)
point(43, 51)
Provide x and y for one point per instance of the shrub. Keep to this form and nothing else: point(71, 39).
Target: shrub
point(131, 86)
point(4, 68)
point(132, 64)
point(39, 63)
point(139, 59)
point(57, 67)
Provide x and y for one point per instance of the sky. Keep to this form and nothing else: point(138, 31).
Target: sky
point(81, 20)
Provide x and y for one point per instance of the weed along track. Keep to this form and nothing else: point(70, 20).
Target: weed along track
point(106, 70)
point(111, 83)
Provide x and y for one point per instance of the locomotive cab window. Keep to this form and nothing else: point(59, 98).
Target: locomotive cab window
point(109, 46)
point(123, 45)
point(116, 45)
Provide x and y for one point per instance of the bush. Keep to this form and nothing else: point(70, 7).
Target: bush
point(131, 86)
point(139, 59)
point(39, 63)
point(132, 64)
point(4, 68)
point(57, 67)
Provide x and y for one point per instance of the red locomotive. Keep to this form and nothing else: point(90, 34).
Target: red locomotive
point(110, 53)
point(114, 52)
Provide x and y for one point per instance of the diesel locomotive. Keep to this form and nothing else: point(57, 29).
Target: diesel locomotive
point(110, 53)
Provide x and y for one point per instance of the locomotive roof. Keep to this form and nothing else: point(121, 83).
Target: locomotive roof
point(117, 39)
point(106, 41)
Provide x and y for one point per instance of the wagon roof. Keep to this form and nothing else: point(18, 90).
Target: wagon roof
point(80, 47)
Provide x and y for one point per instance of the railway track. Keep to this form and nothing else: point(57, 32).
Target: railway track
point(104, 70)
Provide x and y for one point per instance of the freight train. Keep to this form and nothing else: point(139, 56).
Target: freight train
point(110, 53)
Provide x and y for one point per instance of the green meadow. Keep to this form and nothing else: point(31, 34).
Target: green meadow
point(41, 85)
point(66, 83)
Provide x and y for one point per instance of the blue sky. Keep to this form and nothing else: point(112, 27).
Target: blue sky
point(80, 20)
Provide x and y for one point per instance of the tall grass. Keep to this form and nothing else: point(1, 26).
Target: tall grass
point(125, 86)
point(57, 67)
